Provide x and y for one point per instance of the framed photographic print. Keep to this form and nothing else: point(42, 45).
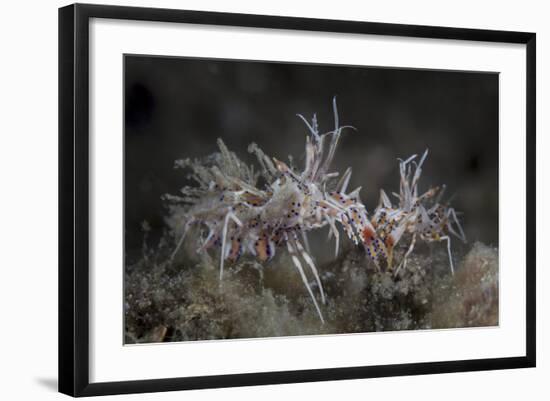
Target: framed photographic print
point(249, 199)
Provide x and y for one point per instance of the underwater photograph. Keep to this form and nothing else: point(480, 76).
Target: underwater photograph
point(269, 199)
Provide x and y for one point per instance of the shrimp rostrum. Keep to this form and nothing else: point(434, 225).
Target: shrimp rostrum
point(422, 216)
point(238, 217)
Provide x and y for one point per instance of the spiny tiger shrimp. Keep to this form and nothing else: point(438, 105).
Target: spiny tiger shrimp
point(239, 217)
point(420, 215)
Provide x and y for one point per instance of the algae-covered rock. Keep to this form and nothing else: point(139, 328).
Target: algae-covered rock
point(472, 297)
point(185, 300)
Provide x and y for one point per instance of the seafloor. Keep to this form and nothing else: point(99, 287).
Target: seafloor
point(184, 300)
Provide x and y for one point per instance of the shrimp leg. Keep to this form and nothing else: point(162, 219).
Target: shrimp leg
point(228, 216)
point(298, 265)
point(461, 235)
point(307, 258)
point(448, 239)
point(180, 242)
point(306, 241)
point(404, 261)
point(333, 230)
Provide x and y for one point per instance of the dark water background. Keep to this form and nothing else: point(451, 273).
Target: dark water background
point(177, 107)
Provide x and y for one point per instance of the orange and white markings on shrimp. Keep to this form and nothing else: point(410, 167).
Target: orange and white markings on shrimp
point(237, 216)
point(421, 216)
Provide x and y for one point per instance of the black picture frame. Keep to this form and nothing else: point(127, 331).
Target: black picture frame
point(74, 191)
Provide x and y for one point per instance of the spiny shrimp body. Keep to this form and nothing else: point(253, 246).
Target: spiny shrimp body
point(238, 217)
point(418, 215)
point(241, 218)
